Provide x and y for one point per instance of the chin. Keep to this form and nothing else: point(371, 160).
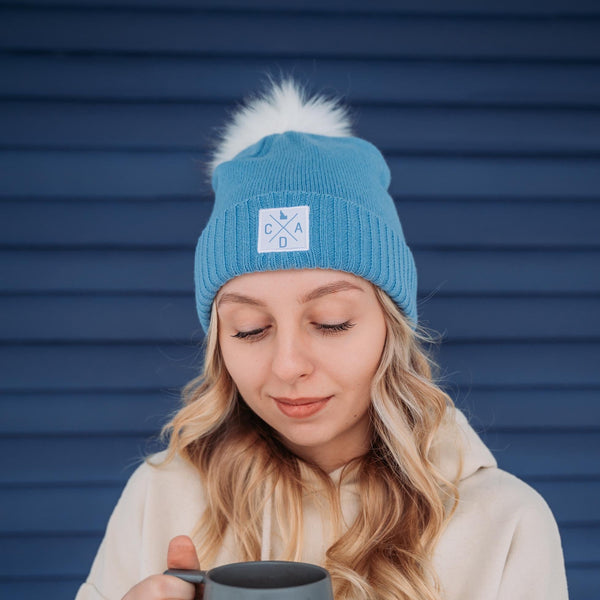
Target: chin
point(298, 442)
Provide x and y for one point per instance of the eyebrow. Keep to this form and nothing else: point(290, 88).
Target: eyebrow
point(330, 288)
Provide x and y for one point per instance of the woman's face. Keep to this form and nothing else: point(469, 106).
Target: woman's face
point(302, 347)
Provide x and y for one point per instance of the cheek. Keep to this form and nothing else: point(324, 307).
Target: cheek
point(244, 367)
point(357, 363)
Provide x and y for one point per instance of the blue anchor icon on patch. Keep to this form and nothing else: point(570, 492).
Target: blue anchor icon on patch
point(283, 229)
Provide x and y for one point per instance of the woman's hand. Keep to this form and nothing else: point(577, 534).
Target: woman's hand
point(181, 555)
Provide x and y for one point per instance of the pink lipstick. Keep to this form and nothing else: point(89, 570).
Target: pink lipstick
point(300, 408)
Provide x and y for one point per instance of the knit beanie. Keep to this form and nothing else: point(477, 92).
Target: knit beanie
point(294, 189)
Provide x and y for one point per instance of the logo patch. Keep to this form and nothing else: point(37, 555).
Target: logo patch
point(283, 229)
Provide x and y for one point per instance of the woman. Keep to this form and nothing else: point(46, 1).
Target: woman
point(316, 431)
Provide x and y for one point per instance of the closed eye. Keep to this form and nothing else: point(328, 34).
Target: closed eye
point(324, 328)
point(331, 329)
point(242, 335)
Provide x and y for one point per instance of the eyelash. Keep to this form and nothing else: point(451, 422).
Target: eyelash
point(256, 334)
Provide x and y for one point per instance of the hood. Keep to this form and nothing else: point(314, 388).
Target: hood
point(455, 434)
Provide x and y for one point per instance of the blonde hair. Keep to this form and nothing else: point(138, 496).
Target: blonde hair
point(406, 503)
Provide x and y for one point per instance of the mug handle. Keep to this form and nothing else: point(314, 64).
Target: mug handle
point(190, 575)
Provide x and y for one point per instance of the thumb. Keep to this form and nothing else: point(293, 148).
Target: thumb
point(182, 553)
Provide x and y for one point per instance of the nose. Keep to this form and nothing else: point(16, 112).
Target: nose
point(291, 356)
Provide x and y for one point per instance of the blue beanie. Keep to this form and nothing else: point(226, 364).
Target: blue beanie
point(300, 200)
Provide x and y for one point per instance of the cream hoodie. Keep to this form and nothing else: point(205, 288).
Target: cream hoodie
point(501, 544)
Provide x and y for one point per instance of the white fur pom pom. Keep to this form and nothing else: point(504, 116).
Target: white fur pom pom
point(283, 108)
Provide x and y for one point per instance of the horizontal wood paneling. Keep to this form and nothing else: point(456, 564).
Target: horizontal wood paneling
point(98, 174)
point(88, 270)
point(107, 223)
point(144, 413)
point(78, 459)
point(527, 364)
point(143, 318)
point(116, 367)
point(56, 556)
point(393, 129)
point(501, 8)
point(570, 501)
point(488, 114)
point(472, 130)
point(27, 588)
point(507, 408)
point(478, 223)
point(127, 78)
point(150, 174)
point(309, 35)
point(57, 510)
point(460, 318)
point(69, 510)
point(124, 367)
point(171, 271)
point(582, 583)
point(68, 556)
point(102, 318)
point(136, 125)
point(507, 272)
point(85, 458)
point(582, 545)
point(546, 454)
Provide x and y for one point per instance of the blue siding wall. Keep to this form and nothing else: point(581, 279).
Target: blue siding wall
point(489, 115)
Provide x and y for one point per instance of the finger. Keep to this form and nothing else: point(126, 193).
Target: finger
point(182, 553)
point(162, 587)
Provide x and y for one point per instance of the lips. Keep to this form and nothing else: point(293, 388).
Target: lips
point(299, 401)
point(299, 408)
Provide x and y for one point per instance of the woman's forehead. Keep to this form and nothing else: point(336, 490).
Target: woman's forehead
point(305, 284)
point(298, 277)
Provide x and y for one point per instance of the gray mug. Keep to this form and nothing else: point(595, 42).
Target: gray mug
point(261, 580)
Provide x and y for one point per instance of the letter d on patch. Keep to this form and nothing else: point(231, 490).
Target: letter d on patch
point(283, 229)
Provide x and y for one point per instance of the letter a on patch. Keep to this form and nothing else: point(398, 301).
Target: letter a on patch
point(284, 229)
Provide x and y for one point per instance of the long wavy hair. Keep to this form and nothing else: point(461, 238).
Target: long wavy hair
point(405, 501)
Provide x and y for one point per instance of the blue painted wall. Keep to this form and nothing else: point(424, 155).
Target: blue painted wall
point(489, 116)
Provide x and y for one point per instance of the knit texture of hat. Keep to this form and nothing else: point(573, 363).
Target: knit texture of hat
point(301, 199)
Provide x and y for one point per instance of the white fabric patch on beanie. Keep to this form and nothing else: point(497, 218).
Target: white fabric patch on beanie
point(284, 229)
